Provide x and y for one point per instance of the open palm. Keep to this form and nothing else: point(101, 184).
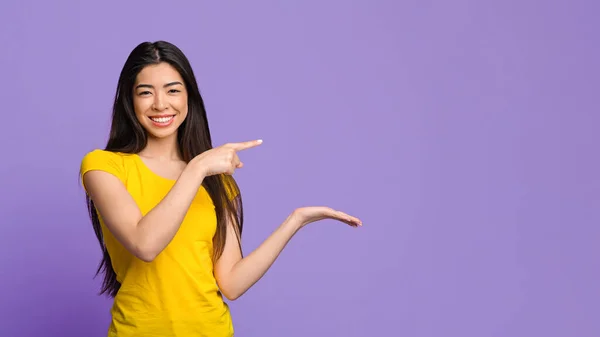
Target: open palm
point(311, 214)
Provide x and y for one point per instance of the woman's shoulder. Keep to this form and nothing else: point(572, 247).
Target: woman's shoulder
point(99, 159)
point(104, 155)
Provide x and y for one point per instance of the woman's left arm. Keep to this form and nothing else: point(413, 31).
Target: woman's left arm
point(235, 275)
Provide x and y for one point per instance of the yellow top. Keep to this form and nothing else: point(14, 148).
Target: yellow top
point(176, 294)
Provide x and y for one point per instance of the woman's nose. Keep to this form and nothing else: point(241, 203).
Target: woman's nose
point(159, 103)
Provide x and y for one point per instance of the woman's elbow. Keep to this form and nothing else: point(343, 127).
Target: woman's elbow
point(146, 257)
point(145, 254)
point(230, 295)
point(230, 292)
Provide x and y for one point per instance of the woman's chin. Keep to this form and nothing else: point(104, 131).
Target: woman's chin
point(161, 133)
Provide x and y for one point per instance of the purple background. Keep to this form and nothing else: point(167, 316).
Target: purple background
point(463, 134)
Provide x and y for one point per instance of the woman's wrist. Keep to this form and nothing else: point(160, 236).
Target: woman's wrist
point(293, 222)
point(196, 170)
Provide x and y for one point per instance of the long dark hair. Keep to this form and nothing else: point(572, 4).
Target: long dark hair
point(193, 138)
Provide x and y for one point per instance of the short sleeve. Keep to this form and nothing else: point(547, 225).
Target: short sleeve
point(101, 160)
point(231, 187)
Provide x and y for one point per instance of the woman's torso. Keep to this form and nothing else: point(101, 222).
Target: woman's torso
point(176, 294)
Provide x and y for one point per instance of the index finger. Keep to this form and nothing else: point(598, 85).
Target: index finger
point(246, 145)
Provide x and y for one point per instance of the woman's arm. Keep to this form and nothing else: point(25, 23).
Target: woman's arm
point(235, 275)
point(147, 236)
point(144, 236)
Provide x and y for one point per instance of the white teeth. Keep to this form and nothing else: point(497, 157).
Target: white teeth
point(162, 119)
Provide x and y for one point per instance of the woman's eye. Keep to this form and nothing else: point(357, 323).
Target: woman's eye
point(144, 93)
point(174, 91)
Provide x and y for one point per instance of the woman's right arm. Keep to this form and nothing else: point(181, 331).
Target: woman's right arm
point(144, 236)
point(147, 236)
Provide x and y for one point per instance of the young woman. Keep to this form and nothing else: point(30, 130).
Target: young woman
point(166, 210)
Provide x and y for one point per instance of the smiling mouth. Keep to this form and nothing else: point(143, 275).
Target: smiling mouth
point(162, 119)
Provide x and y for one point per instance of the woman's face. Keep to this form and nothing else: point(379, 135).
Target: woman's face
point(160, 100)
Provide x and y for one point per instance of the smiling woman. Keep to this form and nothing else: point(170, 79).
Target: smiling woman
point(166, 210)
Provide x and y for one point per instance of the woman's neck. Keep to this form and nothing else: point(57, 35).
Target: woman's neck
point(162, 148)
